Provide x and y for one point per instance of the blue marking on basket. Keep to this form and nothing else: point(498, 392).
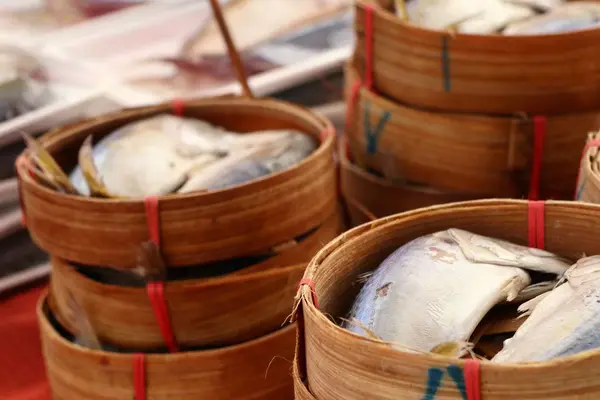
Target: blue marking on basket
point(372, 135)
point(458, 376)
point(434, 381)
point(446, 62)
point(580, 188)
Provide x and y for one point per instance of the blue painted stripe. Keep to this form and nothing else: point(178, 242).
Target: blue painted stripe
point(458, 376)
point(434, 381)
point(446, 62)
point(373, 135)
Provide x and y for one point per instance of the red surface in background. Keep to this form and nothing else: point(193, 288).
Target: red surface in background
point(22, 373)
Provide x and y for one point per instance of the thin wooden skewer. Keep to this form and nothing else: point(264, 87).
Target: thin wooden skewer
point(232, 50)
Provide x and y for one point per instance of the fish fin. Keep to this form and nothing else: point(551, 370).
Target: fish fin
point(86, 335)
point(89, 171)
point(527, 308)
point(456, 349)
point(46, 163)
point(370, 334)
point(150, 265)
point(401, 10)
point(362, 278)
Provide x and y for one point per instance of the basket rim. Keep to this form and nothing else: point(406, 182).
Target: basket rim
point(54, 336)
point(281, 107)
point(184, 284)
point(304, 296)
point(495, 41)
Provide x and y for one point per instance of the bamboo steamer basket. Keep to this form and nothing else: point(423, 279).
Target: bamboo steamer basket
point(382, 197)
point(537, 74)
point(476, 154)
point(256, 370)
point(588, 182)
point(210, 312)
point(337, 364)
point(196, 228)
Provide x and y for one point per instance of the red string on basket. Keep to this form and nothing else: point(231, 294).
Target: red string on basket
point(536, 224)
point(539, 133)
point(156, 290)
point(178, 106)
point(139, 376)
point(472, 373)
point(311, 285)
point(18, 163)
point(586, 148)
point(325, 133)
point(369, 46)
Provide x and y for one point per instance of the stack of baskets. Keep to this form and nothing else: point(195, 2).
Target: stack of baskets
point(435, 117)
point(212, 329)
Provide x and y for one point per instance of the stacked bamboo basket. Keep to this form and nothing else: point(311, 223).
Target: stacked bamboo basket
point(435, 117)
point(332, 363)
point(212, 328)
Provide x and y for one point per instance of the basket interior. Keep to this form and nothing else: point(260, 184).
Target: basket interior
point(238, 117)
point(337, 277)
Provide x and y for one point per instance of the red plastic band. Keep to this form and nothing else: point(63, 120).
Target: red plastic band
point(536, 224)
point(325, 134)
point(473, 379)
point(351, 105)
point(586, 148)
point(311, 285)
point(369, 46)
point(539, 133)
point(156, 294)
point(18, 164)
point(139, 376)
point(156, 290)
point(152, 219)
point(178, 105)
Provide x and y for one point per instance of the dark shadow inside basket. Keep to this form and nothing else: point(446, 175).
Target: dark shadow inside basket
point(237, 266)
point(337, 276)
point(236, 115)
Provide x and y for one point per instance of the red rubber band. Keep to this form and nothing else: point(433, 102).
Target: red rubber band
point(311, 285)
point(139, 376)
point(472, 373)
point(539, 133)
point(369, 46)
point(325, 134)
point(156, 290)
point(178, 106)
point(351, 105)
point(156, 294)
point(536, 224)
point(586, 148)
point(153, 219)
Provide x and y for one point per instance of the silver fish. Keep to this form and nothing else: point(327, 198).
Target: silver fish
point(436, 289)
point(249, 163)
point(569, 17)
point(466, 16)
point(562, 322)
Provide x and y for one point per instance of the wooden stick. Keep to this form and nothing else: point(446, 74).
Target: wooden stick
point(231, 49)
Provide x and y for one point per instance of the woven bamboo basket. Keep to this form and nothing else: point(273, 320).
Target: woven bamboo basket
point(544, 74)
point(209, 312)
point(381, 197)
point(257, 370)
point(588, 182)
point(481, 155)
point(337, 364)
point(195, 228)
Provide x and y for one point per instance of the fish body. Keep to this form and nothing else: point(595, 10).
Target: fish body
point(565, 18)
point(253, 156)
point(437, 288)
point(465, 16)
point(562, 322)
